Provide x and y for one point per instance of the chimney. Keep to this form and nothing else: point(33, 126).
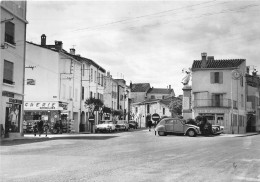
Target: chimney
point(43, 40)
point(170, 87)
point(108, 74)
point(203, 60)
point(58, 45)
point(211, 58)
point(72, 51)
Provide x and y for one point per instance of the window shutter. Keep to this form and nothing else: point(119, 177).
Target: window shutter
point(220, 77)
point(212, 77)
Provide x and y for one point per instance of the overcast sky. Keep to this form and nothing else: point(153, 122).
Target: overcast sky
point(150, 41)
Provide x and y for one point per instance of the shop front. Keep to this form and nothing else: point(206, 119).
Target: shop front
point(51, 112)
point(12, 107)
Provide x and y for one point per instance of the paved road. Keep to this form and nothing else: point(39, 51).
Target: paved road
point(131, 156)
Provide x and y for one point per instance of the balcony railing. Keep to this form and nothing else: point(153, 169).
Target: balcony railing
point(214, 103)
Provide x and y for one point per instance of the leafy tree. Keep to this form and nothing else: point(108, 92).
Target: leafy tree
point(175, 106)
point(94, 104)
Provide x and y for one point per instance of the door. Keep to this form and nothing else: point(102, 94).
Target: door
point(169, 125)
point(178, 126)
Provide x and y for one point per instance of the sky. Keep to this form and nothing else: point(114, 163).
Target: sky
point(150, 41)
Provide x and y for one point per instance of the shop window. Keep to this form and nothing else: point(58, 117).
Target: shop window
point(8, 72)
point(9, 32)
point(12, 119)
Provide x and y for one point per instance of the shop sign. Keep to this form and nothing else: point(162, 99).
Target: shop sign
point(63, 105)
point(11, 100)
point(8, 94)
point(212, 111)
point(41, 106)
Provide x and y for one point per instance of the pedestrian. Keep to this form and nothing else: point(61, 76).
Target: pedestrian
point(149, 123)
point(46, 127)
point(40, 127)
point(35, 128)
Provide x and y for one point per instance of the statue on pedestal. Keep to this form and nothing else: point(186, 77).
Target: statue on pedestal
point(186, 79)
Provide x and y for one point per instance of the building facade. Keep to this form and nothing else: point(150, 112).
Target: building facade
point(253, 102)
point(53, 87)
point(218, 92)
point(12, 66)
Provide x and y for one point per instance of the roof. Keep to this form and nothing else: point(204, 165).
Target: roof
point(140, 87)
point(223, 63)
point(77, 57)
point(168, 100)
point(160, 91)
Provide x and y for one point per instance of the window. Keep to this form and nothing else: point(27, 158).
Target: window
point(242, 100)
point(242, 81)
point(8, 72)
point(83, 70)
point(163, 111)
point(217, 100)
point(99, 78)
point(91, 74)
point(152, 97)
point(95, 75)
point(91, 94)
point(82, 94)
point(216, 77)
point(148, 109)
point(9, 32)
point(102, 79)
point(136, 109)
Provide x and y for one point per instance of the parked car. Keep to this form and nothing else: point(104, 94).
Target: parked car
point(133, 124)
point(122, 125)
point(176, 125)
point(105, 126)
point(206, 127)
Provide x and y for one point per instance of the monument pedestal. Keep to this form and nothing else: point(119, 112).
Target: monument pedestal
point(186, 102)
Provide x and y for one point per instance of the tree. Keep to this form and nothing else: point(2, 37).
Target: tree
point(175, 106)
point(93, 104)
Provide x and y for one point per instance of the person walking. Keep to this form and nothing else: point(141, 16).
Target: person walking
point(35, 125)
point(40, 127)
point(46, 127)
point(149, 124)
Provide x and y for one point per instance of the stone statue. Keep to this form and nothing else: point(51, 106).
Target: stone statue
point(186, 79)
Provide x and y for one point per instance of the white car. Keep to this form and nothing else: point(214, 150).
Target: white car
point(106, 126)
point(122, 125)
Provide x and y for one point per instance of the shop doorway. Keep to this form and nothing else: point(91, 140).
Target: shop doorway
point(12, 118)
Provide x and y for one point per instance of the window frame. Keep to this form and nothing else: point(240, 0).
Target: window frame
point(7, 34)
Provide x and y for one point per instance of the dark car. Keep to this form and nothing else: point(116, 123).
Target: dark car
point(133, 124)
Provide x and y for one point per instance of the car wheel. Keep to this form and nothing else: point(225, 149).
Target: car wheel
point(161, 133)
point(191, 133)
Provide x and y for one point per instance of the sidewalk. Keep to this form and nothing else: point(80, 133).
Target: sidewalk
point(240, 135)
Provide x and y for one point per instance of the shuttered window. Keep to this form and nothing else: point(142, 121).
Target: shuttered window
point(9, 32)
point(216, 77)
point(8, 72)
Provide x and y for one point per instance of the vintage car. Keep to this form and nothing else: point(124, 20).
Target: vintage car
point(217, 129)
point(122, 125)
point(176, 125)
point(105, 126)
point(133, 124)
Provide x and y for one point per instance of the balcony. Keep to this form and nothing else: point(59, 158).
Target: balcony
point(226, 103)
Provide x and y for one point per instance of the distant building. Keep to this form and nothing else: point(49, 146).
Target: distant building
point(12, 66)
point(219, 92)
point(139, 91)
point(160, 93)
